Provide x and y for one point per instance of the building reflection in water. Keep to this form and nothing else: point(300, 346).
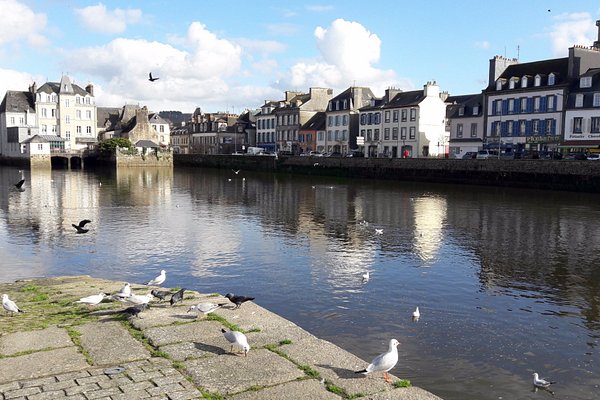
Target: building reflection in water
point(429, 217)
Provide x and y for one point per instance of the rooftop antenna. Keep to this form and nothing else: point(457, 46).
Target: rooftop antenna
point(518, 52)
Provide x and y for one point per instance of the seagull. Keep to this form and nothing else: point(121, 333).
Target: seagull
point(237, 339)
point(19, 185)
point(177, 297)
point(416, 314)
point(160, 294)
point(137, 299)
point(379, 231)
point(365, 276)
point(541, 382)
point(206, 308)
point(80, 228)
point(159, 280)
point(92, 300)
point(238, 300)
point(316, 164)
point(384, 362)
point(135, 311)
point(150, 78)
point(236, 172)
point(124, 292)
point(10, 305)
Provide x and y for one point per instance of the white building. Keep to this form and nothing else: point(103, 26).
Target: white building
point(582, 116)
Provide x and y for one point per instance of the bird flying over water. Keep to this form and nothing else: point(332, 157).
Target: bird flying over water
point(379, 231)
point(236, 171)
point(238, 300)
point(10, 305)
point(19, 185)
point(151, 79)
point(80, 228)
point(384, 362)
point(237, 339)
point(177, 297)
point(159, 280)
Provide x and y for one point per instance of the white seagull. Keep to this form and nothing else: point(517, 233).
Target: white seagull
point(379, 231)
point(384, 362)
point(366, 276)
point(206, 308)
point(236, 171)
point(92, 300)
point(159, 280)
point(10, 305)
point(237, 339)
point(541, 382)
point(124, 292)
point(416, 314)
point(138, 299)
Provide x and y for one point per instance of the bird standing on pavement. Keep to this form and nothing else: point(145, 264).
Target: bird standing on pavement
point(177, 297)
point(159, 280)
point(92, 300)
point(384, 362)
point(238, 300)
point(135, 311)
point(160, 294)
point(237, 339)
point(137, 299)
point(19, 185)
point(205, 308)
point(80, 228)
point(10, 305)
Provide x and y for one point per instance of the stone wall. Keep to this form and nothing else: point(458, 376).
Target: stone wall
point(41, 161)
point(163, 159)
point(540, 174)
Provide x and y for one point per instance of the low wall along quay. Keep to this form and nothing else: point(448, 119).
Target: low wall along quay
point(568, 175)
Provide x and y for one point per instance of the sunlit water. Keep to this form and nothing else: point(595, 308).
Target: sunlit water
point(507, 281)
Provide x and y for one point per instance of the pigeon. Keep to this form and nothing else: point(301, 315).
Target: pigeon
point(205, 308)
point(237, 339)
point(236, 171)
point(137, 299)
point(19, 185)
point(238, 300)
point(80, 228)
point(384, 362)
point(92, 300)
point(416, 314)
point(151, 79)
point(366, 276)
point(177, 297)
point(541, 382)
point(135, 311)
point(159, 280)
point(10, 305)
point(160, 294)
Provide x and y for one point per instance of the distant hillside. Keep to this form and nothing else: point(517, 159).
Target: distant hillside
point(175, 117)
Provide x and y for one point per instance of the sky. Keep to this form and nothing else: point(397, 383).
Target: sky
point(235, 55)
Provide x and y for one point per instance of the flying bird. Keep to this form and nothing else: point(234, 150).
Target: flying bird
point(238, 300)
point(159, 280)
point(416, 314)
point(10, 306)
point(237, 339)
point(177, 297)
point(236, 172)
point(384, 362)
point(19, 185)
point(80, 228)
point(151, 79)
point(379, 231)
point(160, 294)
point(541, 382)
point(206, 308)
point(92, 300)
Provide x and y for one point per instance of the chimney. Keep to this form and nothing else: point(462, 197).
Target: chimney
point(90, 89)
point(431, 89)
point(33, 88)
point(498, 65)
point(597, 42)
point(390, 93)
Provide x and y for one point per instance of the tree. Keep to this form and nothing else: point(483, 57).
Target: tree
point(108, 146)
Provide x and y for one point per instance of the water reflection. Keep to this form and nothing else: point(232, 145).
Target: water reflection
point(512, 280)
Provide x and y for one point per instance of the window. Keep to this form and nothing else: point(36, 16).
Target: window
point(524, 82)
point(68, 135)
point(162, 128)
point(330, 120)
point(459, 130)
point(377, 118)
point(78, 129)
point(53, 129)
point(499, 84)
point(44, 128)
point(511, 106)
point(344, 135)
point(512, 82)
point(40, 146)
point(387, 116)
point(363, 119)
point(53, 113)
point(522, 127)
point(403, 133)
point(78, 114)
point(579, 100)
point(551, 100)
point(537, 80)
point(44, 112)
point(403, 116)
point(535, 126)
point(510, 127)
point(551, 80)
point(595, 126)
point(413, 114)
point(473, 129)
point(376, 134)
point(395, 133)
point(88, 114)
point(412, 132)
point(67, 119)
point(386, 133)
point(536, 104)
point(461, 111)
point(369, 132)
point(345, 119)
point(88, 130)
point(577, 124)
point(476, 109)
point(498, 107)
point(524, 104)
point(337, 120)
point(67, 103)
point(585, 82)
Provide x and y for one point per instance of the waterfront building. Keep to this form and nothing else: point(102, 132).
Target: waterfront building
point(215, 133)
point(310, 131)
point(582, 116)
point(180, 139)
point(265, 126)
point(342, 120)
point(464, 121)
point(161, 126)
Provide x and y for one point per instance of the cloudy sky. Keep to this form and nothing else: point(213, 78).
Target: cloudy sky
point(229, 56)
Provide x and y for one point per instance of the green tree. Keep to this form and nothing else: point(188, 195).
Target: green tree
point(108, 146)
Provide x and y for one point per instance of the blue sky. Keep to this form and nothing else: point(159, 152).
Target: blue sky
point(229, 56)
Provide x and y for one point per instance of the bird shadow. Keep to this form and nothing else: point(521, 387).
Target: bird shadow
point(209, 348)
point(185, 316)
point(543, 389)
point(340, 372)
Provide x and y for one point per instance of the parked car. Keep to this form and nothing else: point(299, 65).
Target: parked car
point(576, 156)
point(469, 155)
point(334, 154)
point(355, 153)
point(485, 154)
point(594, 157)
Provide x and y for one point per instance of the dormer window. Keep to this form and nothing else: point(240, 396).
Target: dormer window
point(537, 80)
point(596, 100)
point(345, 104)
point(579, 100)
point(499, 84)
point(512, 83)
point(551, 79)
point(524, 81)
point(461, 111)
point(337, 105)
point(476, 109)
point(331, 106)
point(585, 82)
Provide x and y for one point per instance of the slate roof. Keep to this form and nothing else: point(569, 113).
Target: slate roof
point(157, 119)
point(54, 87)
point(588, 93)
point(108, 117)
point(558, 66)
point(315, 123)
point(145, 143)
point(17, 101)
point(43, 139)
point(468, 102)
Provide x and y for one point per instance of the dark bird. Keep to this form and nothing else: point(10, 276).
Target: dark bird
point(160, 294)
point(150, 78)
point(135, 310)
point(19, 185)
point(238, 300)
point(177, 297)
point(80, 228)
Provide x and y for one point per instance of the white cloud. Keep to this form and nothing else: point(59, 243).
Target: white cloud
point(484, 44)
point(319, 8)
point(16, 80)
point(19, 22)
point(98, 19)
point(348, 54)
point(571, 29)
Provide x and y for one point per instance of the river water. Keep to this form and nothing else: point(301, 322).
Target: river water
point(507, 281)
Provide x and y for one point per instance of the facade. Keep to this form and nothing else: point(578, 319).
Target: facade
point(180, 139)
point(17, 121)
point(582, 116)
point(342, 120)
point(265, 126)
point(161, 126)
point(310, 131)
point(216, 133)
point(464, 119)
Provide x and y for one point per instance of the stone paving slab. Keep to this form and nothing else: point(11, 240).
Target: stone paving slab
point(50, 338)
point(208, 347)
point(38, 364)
point(109, 342)
point(195, 331)
point(305, 389)
point(229, 373)
point(410, 393)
